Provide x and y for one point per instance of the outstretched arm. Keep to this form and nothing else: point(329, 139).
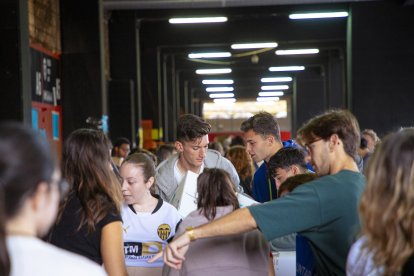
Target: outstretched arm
point(237, 222)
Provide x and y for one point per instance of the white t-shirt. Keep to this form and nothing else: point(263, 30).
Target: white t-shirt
point(360, 261)
point(34, 257)
point(146, 234)
point(179, 175)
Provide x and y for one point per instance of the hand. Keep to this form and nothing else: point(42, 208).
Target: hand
point(174, 252)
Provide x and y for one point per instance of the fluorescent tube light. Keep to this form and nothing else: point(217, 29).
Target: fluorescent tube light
point(270, 93)
point(221, 95)
point(286, 68)
point(275, 87)
point(218, 81)
point(267, 99)
point(210, 55)
point(225, 101)
point(190, 20)
point(278, 79)
point(254, 45)
point(213, 71)
point(219, 89)
point(315, 15)
point(297, 52)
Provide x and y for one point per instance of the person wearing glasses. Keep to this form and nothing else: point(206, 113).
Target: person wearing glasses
point(324, 211)
point(31, 187)
point(89, 221)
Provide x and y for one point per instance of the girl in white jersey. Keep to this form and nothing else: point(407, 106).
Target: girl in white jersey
point(148, 221)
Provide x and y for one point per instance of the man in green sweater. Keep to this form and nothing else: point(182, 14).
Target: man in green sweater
point(324, 211)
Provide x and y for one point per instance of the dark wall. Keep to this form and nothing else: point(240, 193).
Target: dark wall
point(11, 101)
point(121, 109)
point(81, 65)
point(310, 96)
point(383, 65)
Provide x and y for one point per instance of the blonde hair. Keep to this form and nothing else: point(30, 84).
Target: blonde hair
point(387, 205)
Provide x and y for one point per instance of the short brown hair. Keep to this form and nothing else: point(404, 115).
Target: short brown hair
point(340, 122)
point(215, 188)
point(262, 123)
point(191, 127)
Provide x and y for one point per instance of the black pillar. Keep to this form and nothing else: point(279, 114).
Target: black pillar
point(15, 80)
point(83, 84)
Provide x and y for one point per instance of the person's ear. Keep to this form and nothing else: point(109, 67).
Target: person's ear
point(270, 139)
point(179, 146)
point(150, 182)
point(39, 198)
point(334, 141)
point(295, 169)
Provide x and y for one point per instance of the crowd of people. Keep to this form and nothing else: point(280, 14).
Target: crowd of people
point(340, 197)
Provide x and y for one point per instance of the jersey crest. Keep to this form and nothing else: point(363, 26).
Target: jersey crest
point(164, 231)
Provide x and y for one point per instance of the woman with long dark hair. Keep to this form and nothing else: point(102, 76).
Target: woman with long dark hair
point(242, 254)
point(89, 221)
point(31, 185)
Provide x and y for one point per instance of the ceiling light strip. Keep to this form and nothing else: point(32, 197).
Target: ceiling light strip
point(213, 71)
point(275, 87)
point(220, 89)
point(254, 45)
point(277, 79)
point(225, 101)
point(271, 93)
point(210, 55)
point(221, 95)
point(195, 20)
point(217, 81)
point(315, 15)
point(297, 52)
point(286, 68)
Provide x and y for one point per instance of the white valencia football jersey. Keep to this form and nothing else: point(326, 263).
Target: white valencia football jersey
point(146, 234)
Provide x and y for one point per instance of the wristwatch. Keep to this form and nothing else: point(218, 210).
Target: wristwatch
point(190, 231)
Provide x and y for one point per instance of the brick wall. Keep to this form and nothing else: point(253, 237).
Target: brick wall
point(44, 24)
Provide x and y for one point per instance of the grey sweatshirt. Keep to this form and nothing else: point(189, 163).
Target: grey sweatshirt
point(166, 185)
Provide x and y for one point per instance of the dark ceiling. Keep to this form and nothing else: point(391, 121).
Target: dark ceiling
point(180, 4)
point(245, 24)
